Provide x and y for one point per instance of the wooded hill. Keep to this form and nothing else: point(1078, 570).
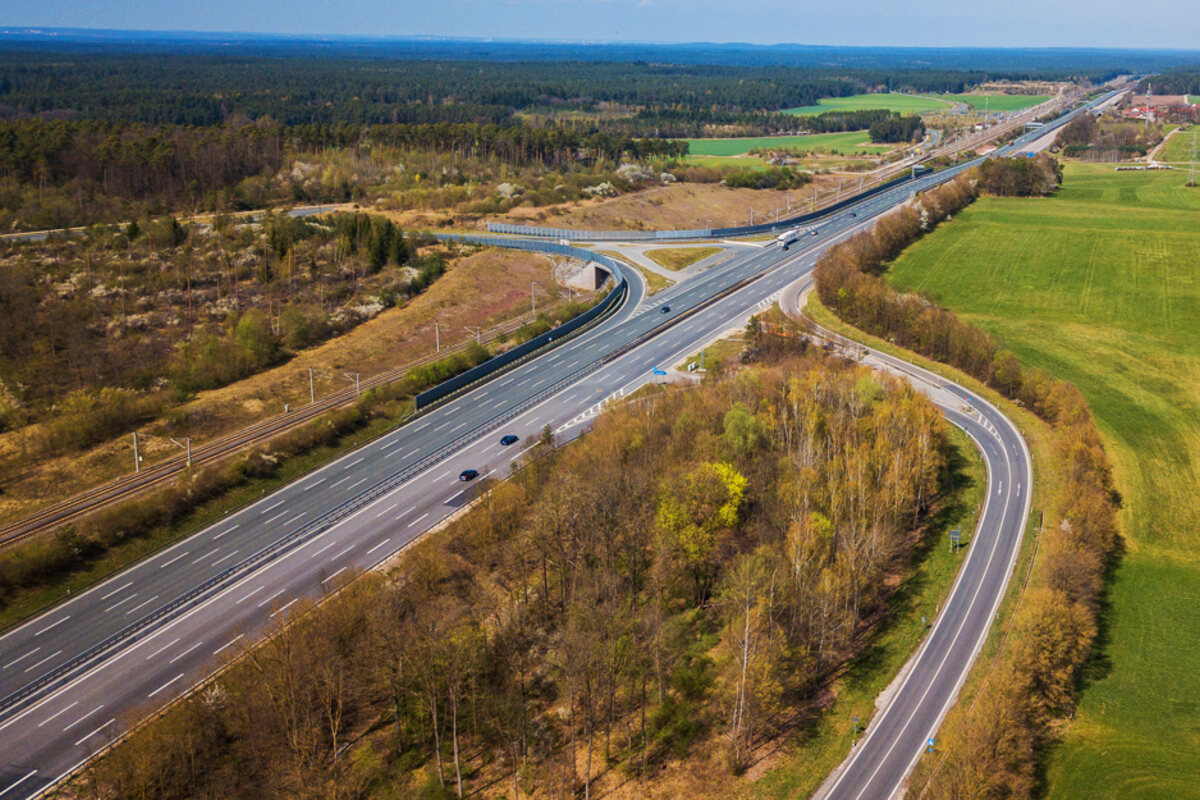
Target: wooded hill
point(678, 582)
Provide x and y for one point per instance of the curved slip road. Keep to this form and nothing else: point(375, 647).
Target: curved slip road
point(879, 765)
point(59, 713)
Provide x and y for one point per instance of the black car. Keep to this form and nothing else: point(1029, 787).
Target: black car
point(468, 475)
point(665, 309)
point(509, 439)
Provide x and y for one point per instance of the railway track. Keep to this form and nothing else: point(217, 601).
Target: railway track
point(167, 470)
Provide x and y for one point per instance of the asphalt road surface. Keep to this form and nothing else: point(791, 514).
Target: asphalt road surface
point(879, 765)
point(59, 706)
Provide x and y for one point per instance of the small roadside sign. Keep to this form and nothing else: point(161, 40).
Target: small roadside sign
point(929, 744)
point(658, 371)
point(955, 538)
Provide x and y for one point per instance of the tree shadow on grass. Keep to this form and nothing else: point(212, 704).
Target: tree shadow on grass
point(1096, 668)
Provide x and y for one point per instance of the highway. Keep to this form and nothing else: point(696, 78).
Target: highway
point(66, 687)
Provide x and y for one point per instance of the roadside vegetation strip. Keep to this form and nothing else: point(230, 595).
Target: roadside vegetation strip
point(158, 474)
point(677, 258)
point(1107, 299)
point(36, 575)
point(989, 746)
point(1045, 493)
point(633, 477)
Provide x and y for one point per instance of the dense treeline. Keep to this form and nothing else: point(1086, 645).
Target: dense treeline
point(839, 121)
point(990, 746)
point(673, 582)
point(896, 129)
point(195, 89)
point(58, 173)
point(848, 282)
point(1181, 81)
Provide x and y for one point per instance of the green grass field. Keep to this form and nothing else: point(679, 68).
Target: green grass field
point(1101, 286)
point(892, 101)
point(676, 258)
point(856, 142)
point(997, 102)
point(1179, 147)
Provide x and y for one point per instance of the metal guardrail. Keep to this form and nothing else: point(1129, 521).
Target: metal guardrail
point(288, 542)
point(699, 233)
point(244, 567)
point(461, 381)
point(744, 230)
point(470, 376)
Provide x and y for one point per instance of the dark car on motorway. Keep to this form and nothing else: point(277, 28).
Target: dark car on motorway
point(509, 439)
point(468, 475)
point(665, 309)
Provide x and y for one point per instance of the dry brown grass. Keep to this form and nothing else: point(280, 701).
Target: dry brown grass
point(680, 205)
point(484, 288)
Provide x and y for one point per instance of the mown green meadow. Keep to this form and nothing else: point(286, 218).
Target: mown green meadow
point(892, 101)
point(997, 102)
point(1099, 285)
point(856, 142)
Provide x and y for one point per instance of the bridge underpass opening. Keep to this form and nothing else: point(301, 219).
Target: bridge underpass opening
point(590, 278)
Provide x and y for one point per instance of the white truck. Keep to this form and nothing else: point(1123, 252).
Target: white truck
point(787, 237)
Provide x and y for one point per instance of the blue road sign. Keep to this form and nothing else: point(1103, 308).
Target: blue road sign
point(658, 371)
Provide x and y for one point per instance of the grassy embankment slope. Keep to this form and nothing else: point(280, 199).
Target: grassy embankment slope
point(1178, 149)
point(676, 258)
point(1099, 286)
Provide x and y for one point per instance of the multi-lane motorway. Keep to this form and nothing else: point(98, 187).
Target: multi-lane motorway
point(66, 686)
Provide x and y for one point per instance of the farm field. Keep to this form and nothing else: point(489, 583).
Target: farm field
point(856, 142)
point(1099, 285)
point(892, 101)
point(997, 102)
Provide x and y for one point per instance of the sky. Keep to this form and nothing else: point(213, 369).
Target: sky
point(985, 23)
